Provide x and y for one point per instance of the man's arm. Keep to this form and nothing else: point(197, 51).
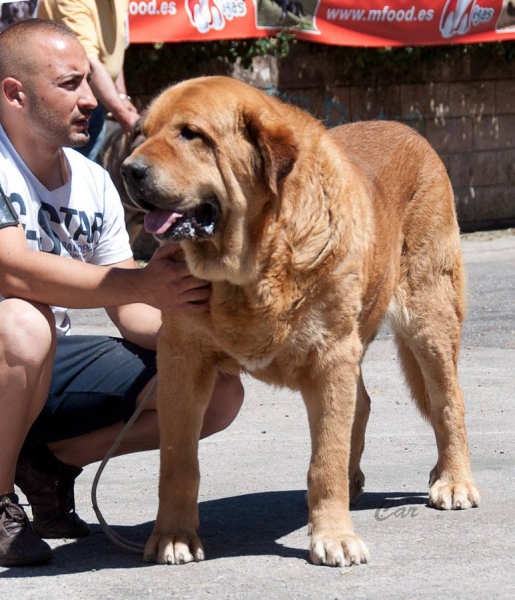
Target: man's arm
point(60, 281)
point(138, 323)
point(105, 90)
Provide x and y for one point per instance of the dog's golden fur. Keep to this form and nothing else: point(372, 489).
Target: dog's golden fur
point(322, 234)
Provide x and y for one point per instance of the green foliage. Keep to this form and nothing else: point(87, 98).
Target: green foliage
point(410, 55)
point(410, 64)
point(150, 67)
point(277, 46)
point(381, 63)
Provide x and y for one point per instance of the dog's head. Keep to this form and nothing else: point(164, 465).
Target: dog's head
point(215, 156)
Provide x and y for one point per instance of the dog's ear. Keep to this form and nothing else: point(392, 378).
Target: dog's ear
point(277, 145)
point(136, 136)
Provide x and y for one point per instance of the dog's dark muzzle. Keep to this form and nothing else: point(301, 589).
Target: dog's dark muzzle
point(167, 220)
point(135, 178)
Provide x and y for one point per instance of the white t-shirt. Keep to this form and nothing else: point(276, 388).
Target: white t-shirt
point(83, 219)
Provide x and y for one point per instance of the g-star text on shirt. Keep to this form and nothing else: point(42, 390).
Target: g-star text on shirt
point(81, 232)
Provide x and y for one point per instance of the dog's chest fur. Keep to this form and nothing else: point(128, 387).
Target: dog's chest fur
point(274, 336)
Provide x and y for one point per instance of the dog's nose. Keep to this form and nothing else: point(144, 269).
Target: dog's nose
point(135, 170)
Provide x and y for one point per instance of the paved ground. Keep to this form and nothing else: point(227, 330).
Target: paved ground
point(252, 494)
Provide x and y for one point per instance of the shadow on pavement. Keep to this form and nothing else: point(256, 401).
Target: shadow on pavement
point(247, 525)
point(236, 526)
point(386, 500)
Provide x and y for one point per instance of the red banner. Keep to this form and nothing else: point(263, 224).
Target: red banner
point(337, 22)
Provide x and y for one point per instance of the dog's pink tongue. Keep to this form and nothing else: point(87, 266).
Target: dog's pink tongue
point(158, 221)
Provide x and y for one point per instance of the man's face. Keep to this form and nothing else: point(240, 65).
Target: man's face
point(60, 100)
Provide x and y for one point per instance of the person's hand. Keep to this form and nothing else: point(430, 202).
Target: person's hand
point(127, 103)
point(127, 117)
point(170, 286)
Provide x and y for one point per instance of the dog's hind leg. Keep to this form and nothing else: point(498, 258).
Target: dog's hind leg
point(359, 426)
point(427, 324)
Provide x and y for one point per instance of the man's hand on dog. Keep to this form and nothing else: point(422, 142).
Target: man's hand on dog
point(171, 285)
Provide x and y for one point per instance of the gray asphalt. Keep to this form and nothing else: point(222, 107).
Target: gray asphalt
point(253, 513)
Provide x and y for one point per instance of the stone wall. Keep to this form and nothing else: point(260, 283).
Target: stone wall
point(464, 106)
point(462, 102)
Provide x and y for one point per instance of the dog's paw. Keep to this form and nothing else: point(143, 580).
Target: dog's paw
point(338, 551)
point(454, 496)
point(173, 549)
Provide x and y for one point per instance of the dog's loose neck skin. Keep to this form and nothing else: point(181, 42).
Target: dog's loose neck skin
point(274, 266)
point(301, 234)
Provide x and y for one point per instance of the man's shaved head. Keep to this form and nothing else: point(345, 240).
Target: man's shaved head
point(15, 61)
point(44, 86)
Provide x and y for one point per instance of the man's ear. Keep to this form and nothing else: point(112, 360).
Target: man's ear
point(12, 90)
point(277, 144)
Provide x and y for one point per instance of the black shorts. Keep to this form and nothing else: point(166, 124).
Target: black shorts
point(95, 383)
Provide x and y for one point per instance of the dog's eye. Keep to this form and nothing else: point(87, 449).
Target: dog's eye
point(189, 134)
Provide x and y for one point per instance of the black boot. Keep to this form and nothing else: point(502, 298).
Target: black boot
point(48, 484)
point(19, 545)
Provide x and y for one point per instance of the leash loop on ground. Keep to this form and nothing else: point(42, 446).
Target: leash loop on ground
point(110, 533)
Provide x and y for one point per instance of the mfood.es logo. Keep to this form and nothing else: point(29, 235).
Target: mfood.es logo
point(459, 16)
point(205, 15)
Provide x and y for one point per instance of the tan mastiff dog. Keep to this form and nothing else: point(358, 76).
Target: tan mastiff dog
point(310, 237)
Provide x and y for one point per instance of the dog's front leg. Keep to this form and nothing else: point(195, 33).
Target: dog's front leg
point(185, 383)
point(329, 391)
